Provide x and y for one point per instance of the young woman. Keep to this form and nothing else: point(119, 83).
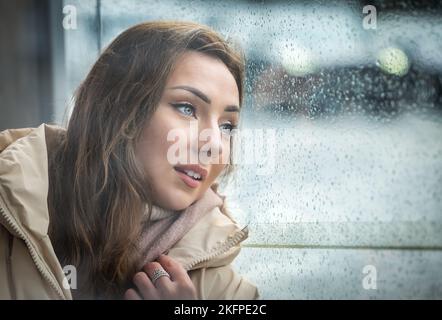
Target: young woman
point(106, 201)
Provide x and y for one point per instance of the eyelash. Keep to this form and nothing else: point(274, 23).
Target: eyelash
point(188, 105)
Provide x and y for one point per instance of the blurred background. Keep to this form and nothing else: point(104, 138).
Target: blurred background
point(348, 95)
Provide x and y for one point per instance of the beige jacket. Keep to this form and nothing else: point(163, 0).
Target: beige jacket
point(29, 268)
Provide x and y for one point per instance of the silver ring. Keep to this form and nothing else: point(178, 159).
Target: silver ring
point(158, 273)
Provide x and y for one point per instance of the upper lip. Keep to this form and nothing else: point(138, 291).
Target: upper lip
point(195, 168)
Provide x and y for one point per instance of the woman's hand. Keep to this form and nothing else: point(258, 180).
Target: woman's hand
point(177, 287)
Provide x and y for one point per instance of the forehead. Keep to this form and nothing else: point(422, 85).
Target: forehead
point(206, 73)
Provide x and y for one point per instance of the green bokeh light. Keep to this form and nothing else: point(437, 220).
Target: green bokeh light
point(394, 61)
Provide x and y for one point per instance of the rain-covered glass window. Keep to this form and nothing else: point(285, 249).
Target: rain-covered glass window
point(340, 161)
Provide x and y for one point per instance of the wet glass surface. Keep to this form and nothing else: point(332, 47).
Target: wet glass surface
point(344, 116)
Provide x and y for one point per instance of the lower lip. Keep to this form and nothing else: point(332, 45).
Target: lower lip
point(188, 180)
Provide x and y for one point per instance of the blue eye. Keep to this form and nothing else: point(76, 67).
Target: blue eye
point(227, 128)
point(185, 108)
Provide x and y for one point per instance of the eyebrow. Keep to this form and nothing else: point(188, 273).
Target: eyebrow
point(205, 98)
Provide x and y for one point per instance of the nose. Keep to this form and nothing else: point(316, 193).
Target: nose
point(210, 142)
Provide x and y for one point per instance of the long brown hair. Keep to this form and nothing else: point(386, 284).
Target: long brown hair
point(98, 191)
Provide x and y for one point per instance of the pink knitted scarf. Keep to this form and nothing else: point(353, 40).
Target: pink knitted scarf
point(167, 227)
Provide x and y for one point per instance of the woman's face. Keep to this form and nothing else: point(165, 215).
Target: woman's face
point(192, 124)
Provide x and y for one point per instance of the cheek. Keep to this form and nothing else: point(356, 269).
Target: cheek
point(152, 149)
point(226, 149)
point(216, 170)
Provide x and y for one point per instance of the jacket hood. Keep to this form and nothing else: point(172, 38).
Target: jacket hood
point(23, 197)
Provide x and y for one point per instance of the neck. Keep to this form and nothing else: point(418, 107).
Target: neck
point(159, 213)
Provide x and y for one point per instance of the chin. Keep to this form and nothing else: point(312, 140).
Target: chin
point(176, 200)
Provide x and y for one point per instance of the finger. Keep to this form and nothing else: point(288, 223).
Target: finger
point(145, 286)
point(161, 282)
point(174, 269)
point(131, 294)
